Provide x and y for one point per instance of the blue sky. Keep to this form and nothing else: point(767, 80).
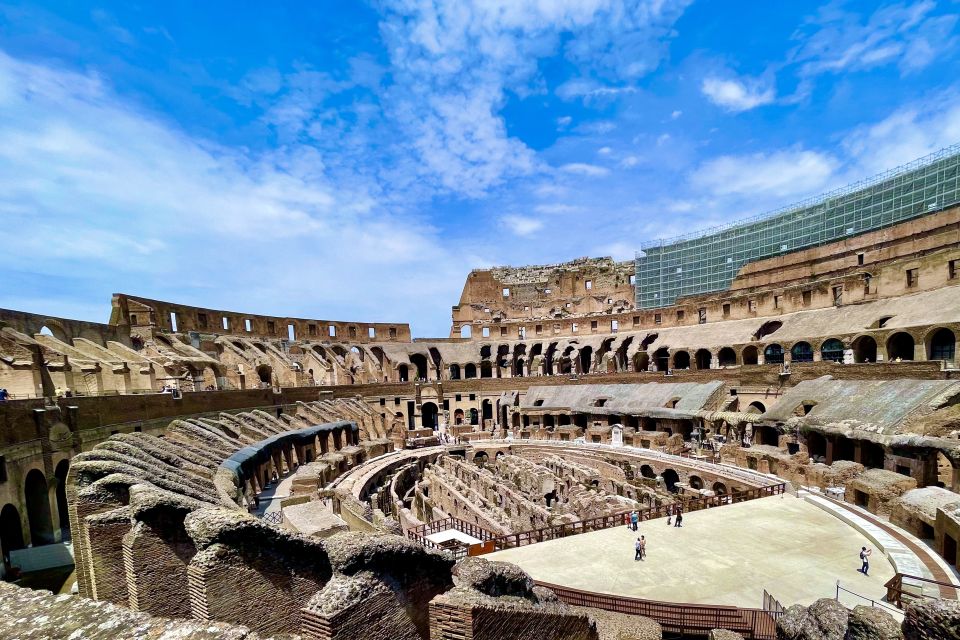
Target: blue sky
point(354, 160)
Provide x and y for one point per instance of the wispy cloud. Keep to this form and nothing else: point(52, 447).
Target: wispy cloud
point(737, 94)
point(522, 225)
point(584, 169)
point(782, 174)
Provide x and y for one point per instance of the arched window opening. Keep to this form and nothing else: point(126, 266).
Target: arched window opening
point(831, 350)
point(703, 358)
point(727, 357)
point(38, 508)
point(773, 354)
point(750, 355)
point(864, 349)
point(801, 352)
point(900, 347)
point(681, 360)
point(943, 345)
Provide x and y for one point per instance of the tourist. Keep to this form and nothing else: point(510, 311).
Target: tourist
point(637, 550)
point(4, 395)
point(634, 519)
point(669, 515)
point(679, 518)
point(643, 547)
point(865, 559)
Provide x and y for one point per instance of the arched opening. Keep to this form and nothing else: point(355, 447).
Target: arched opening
point(586, 359)
point(801, 352)
point(773, 354)
point(719, 488)
point(486, 369)
point(428, 415)
point(403, 373)
point(518, 368)
point(703, 358)
point(454, 372)
point(487, 407)
point(458, 416)
point(466, 331)
point(54, 331)
point(670, 479)
point(727, 357)
point(474, 416)
point(470, 371)
point(872, 454)
point(265, 373)
point(647, 471)
point(756, 407)
point(696, 482)
point(11, 531)
point(38, 508)
point(641, 362)
point(661, 358)
point(481, 458)
point(61, 475)
point(766, 435)
point(420, 362)
point(900, 347)
point(750, 355)
point(816, 445)
point(943, 345)
point(766, 329)
point(864, 349)
point(485, 351)
point(831, 350)
point(681, 360)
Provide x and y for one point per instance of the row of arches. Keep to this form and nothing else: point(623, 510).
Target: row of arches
point(38, 495)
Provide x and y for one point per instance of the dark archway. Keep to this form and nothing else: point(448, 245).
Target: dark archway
point(719, 488)
point(647, 471)
point(661, 359)
point(681, 360)
point(265, 373)
point(61, 475)
point(816, 445)
point(831, 350)
point(518, 368)
point(766, 435)
point(767, 328)
point(486, 369)
point(454, 372)
point(900, 346)
point(750, 355)
point(11, 531)
point(943, 345)
point(38, 508)
point(727, 357)
point(420, 362)
point(403, 373)
point(864, 349)
point(801, 352)
point(481, 458)
point(670, 479)
point(703, 357)
point(487, 407)
point(474, 416)
point(773, 354)
point(696, 482)
point(470, 371)
point(428, 415)
point(458, 416)
point(641, 362)
point(756, 407)
point(586, 359)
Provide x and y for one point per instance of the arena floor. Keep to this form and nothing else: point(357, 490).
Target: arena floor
point(726, 555)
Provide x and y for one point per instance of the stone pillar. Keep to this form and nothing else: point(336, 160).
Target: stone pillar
point(337, 439)
point(829, 452)
point(858, 451)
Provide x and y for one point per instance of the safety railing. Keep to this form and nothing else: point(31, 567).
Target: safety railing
point(677, 617)
point(533, 536)
point(904, 586)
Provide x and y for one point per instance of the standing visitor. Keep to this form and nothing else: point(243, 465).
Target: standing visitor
point(637, 550)
point(4, 395)
point(679, 518)
point(634, 518)
point(643, 547)
point(865, 559)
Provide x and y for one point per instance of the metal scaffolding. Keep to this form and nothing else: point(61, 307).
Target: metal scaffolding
point(710, 259)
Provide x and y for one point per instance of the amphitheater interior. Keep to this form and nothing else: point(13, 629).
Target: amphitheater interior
point(216, 474)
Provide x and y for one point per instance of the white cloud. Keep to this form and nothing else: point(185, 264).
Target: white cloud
point(563, 122)
point(557, 208)
point(591, 90)
point(676, 114)
point(907, 34)
point(584, 169)
point(521, 225)
point(604, 151)
point(630, 161)
point(782, 174)
point(737, 94)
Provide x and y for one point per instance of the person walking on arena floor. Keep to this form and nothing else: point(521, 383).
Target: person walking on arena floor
point(643, 547)
point(865, 559)
point(679, 518)
point(637, 551)
point(634, 518)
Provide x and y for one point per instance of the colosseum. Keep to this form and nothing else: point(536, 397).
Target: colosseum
point(759, 402)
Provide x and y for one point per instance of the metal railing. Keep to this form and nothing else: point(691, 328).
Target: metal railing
point(677, 617)
point(533, 536)
point(912, 589)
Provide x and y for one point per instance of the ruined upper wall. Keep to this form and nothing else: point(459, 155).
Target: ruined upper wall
point(143, 314)
point(63, 329)
point(581, 286)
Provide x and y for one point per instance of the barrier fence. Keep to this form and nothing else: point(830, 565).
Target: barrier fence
point(533, 536)
point(674, 617)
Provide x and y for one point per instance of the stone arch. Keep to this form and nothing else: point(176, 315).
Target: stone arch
point(703, 358)
point(486, 369)
point(37, 498)
point(641, 361)
point(941, 344)
point(831, 350)
point(419, 361)
point(53, 328)
point(801, 352)
point(864, 349)
point(265, 373)
point(900, 346)
point(661, 358)
point(470, 371)
point(458, 416)
point(695, 482)
point(647, 471)
point(681, 360)
point(403, 373)
point(63, 515)
point(11, 531)
point(466, 331)
point(586, 359)
point(454, 371)
point(481, 458)
point(767, 328)
point(428, 415)
point(727, 357)
point(773, 354)
point(719, 488)
point(756, 407)
point(670, 479)
point(750, 355)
